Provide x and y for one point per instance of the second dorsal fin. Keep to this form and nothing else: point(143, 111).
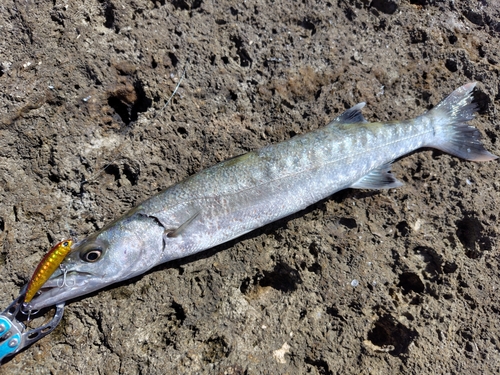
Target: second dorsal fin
point(351, 116)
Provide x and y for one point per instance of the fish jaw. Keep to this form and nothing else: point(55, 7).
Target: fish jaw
point(60, 288)
point(126, 248)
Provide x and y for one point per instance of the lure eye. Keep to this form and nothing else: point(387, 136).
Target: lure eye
point(92, 256)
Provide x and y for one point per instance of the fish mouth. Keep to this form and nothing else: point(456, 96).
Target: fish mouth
point(61, 288)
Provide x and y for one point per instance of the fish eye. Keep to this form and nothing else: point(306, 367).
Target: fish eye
point(92, 255)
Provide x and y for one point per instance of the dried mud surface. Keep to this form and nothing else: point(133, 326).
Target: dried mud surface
point(81, 83)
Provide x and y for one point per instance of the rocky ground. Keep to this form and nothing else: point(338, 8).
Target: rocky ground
point(83, 138)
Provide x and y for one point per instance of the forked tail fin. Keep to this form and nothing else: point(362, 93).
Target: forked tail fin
point(453, 134)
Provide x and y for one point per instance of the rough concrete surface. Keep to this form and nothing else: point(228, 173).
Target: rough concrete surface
point(81, 82)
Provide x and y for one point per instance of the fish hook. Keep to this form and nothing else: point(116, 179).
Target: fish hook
point(64, 283)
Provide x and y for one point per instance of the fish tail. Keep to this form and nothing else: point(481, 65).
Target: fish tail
point(452, 133)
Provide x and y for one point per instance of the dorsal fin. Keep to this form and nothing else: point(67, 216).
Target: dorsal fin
point(351, 116)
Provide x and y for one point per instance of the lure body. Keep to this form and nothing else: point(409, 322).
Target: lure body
point(252, 190)
point(46, 267)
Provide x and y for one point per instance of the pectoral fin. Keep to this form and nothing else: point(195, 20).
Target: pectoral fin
point(178, 231)
point(380, 178)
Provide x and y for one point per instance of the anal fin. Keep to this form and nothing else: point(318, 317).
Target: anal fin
point(380, 178)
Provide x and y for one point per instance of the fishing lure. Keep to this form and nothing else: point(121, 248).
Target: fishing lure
point(46, 267)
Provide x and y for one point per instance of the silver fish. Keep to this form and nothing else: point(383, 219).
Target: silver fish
point(252, 190)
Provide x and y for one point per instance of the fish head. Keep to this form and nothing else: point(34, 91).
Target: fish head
point(123, 249)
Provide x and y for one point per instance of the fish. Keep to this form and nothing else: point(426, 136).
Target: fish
point(46, 268)
point(249, 191)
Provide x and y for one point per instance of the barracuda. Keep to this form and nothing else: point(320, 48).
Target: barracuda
point(252, 190)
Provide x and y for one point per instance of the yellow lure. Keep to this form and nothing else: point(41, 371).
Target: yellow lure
point(46, 267)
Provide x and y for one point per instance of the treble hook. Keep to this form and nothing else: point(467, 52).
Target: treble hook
point(64, 270)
